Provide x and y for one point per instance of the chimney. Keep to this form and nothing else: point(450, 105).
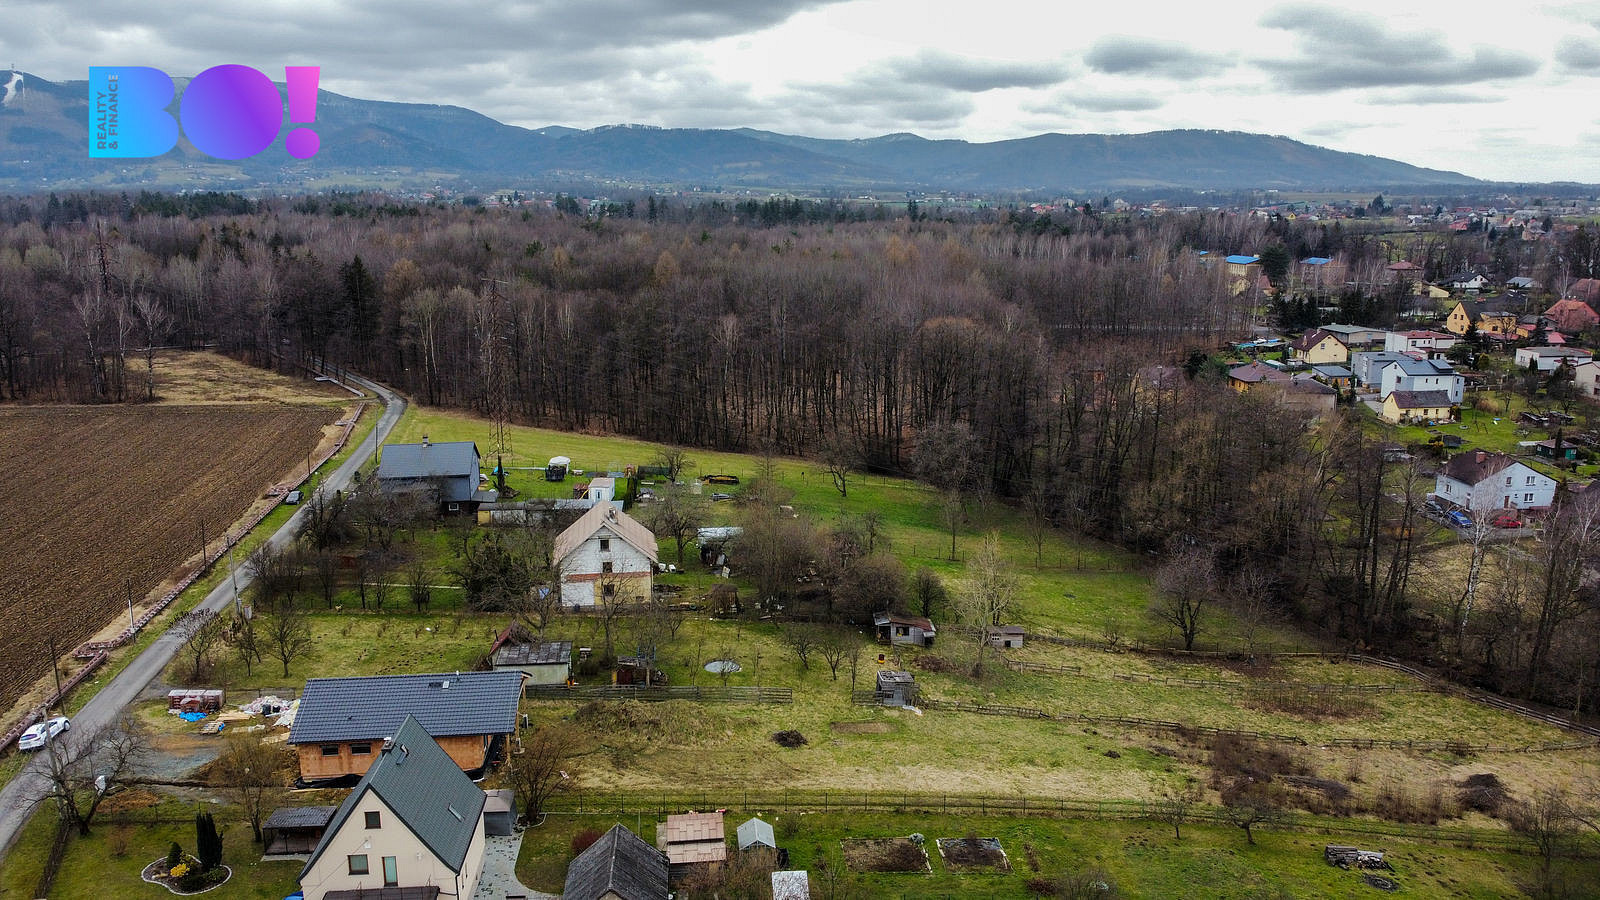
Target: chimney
point(425, 441)
point(1482, 456)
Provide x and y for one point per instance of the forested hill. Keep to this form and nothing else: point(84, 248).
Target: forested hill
point(368, 142)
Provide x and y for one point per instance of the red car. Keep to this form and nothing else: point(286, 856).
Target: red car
point(1506, 520)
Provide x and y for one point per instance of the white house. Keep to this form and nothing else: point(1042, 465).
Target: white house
point(1482, 481)
point(1548, 359)
point(415, 820)
point(1425, 342)
point(1407, 374)
point(1585, 376)
point(605, 553)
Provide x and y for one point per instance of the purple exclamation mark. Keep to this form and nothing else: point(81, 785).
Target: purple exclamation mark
point(302, 143)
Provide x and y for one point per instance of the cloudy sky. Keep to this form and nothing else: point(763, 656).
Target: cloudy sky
point(1496, 90)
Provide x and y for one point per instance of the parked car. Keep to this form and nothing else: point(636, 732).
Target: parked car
point(1434, 506)
point(37, 735)
point(720, 479)
point(1506, 520)
point(720, 496)
point(293, 497)
point(1459, 518)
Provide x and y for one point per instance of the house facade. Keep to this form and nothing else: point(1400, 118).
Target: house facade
point(1417, 406)
point(910, 631)
point(1586, 378)
point(1467, 314)
point(1425, 342)
point(413, 821)
point(605, 554)
point(1548, 359)
point(1572, 316)
point(1407, 374)
point(341, 724)
point(451, 469)
point(1481, 481)
point(1317, 347)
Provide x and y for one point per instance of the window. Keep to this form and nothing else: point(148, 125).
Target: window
point(605, 545)
point(454, 507)
point(374, 819)
point(330, 749)
point(605, 567)
point(609, 590)
point(1508, 479)
point(360, 749)
point(1530, 479)
point(391, 873)
point(358, 864)
point(1527, 498)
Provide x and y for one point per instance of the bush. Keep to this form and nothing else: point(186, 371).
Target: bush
point(585, 839)
point(174, 856)
point(1487, 404)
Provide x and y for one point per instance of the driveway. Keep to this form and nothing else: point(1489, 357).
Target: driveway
point(499, 879)
point(106, 707)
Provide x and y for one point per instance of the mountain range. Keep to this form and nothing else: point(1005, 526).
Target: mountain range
point(43, 146)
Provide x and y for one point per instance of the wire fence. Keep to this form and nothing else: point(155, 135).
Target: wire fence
point(744, 801)
point(731, 694)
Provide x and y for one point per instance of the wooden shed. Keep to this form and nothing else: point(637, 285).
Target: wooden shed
point(896, 688)
point(1004, 637)
point(692, 840)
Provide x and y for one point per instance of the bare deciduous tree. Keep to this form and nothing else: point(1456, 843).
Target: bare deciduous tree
point(82, 770)
point(987, 593)
point(542, 768)
point(1184, 586)
point(672, 458)
point(253, 774)
point(201, 630)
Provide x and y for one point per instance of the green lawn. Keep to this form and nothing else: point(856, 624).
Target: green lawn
point(107, 863)
point(1142, 858)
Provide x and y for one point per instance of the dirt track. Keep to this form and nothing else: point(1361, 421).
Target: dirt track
point(95, 498)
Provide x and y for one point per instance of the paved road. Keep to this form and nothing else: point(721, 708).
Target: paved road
point(107, 706)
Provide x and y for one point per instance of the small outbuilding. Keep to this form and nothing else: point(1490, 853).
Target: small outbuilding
point(544, 662)
point(911, 631)
point(794, 884)
point(896, 688)
point(295, 830)
point(756, 833)
point(619, 866)
point(500, 812)
point(1005, 637)
point(692, 841)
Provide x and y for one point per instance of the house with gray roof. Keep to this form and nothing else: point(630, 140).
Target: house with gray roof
point(451, 469)
point(342, 722)
point(619, 866)
point(1420, 375)
point(412, 828)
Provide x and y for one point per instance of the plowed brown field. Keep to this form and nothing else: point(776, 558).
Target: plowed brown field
point(91, 497)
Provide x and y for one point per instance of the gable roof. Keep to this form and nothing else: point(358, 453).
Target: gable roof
point(1312, 338)
point(1421, 367)
point(753, 832)
point(1241, 260)
point(1476, 465)
point(1404, 265)
point(1257, 372)
point(881, 619)
point(374, 707)
point(604, 515)
point(621, 862)
point(455, 462)
point(1420, 399)
point(425, 790)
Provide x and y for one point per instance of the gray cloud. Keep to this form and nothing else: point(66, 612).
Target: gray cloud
point(1429, 97)
point(1340, 50)
point(1129, 55)
point(932, 67)
point(1578, 54)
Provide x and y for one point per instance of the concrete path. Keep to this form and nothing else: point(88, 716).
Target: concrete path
point(105, 708)
point(499, 879)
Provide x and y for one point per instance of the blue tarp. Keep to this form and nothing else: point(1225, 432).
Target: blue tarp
point(191, 716)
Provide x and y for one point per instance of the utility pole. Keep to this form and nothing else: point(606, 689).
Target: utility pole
point(129, 583)
point(203, 544)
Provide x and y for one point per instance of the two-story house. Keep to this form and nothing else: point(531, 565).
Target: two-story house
point(1428, 343)
point(1318, 346)
point(1408, 374)
point(450, 469)
point(606, 553)
point(1489, 320)
point(412, 827)
point(342, 722)
point(1548, 359)
point(1483, 481)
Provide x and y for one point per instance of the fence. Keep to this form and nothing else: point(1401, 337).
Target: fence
point(733, 694)
point(1274, 686)
point(661, 804)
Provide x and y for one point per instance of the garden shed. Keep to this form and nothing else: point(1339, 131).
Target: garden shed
point(896, 688)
